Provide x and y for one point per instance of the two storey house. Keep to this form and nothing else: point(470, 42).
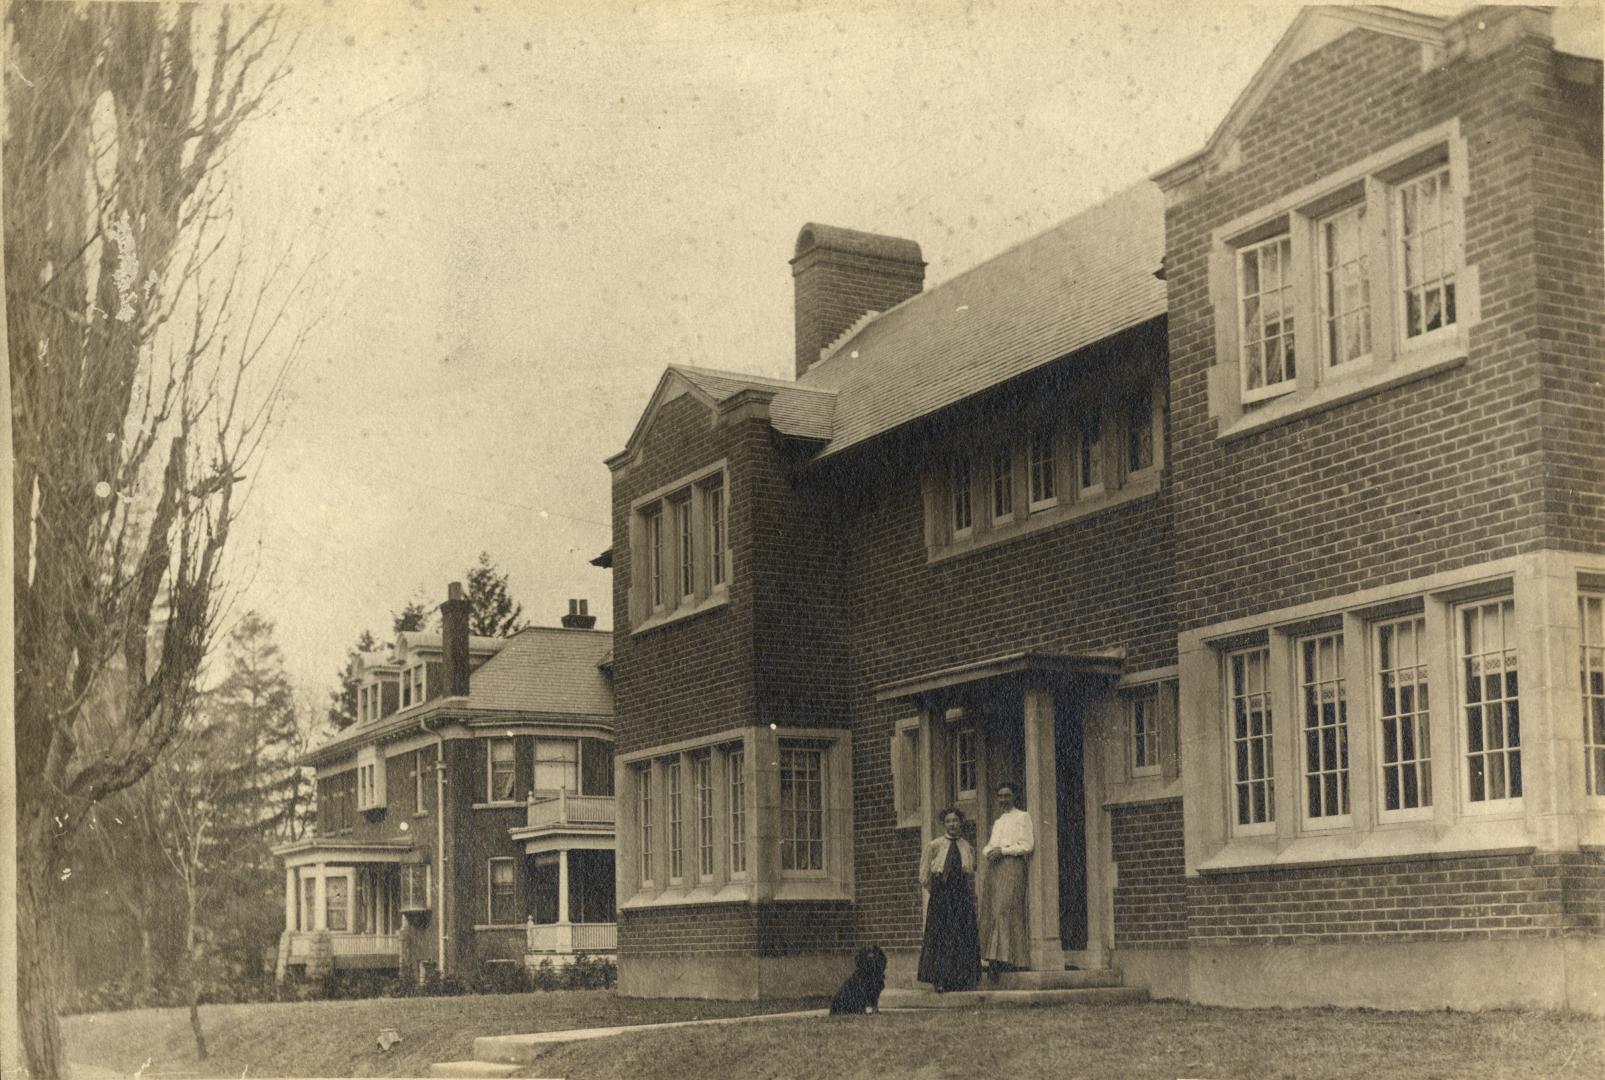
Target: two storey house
point(1253, 520)
point(466, 819)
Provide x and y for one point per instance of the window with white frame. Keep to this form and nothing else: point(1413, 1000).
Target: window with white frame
point(1429, 251)
point(1404, 745)
point(680, 540)
point(736, 809)
point(1489, 704)
point(702, 786)
point(1138, 425)
point(413, 685)
point(557, 765)
point(419, 777)
point(1265, 314)
point(1040, 472)
point(962, 518)
point(1142, 728)
point(501, 909)
point(499, 770)
point(1591, 660)
point(415, 887)
point(1003, 484)
point(676, 823)
point(964, 762)
point(1253, 761)
point(802, 809)
point(643, 821)
point(1325, 710)
point(1345, 287)
point(907, 793)
point(336, 896)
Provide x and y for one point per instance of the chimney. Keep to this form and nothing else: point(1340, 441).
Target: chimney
point(840, 275)
point(454, 639)
point(577, 619)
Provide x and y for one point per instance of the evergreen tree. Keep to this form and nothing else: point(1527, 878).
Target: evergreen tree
point(492, 612)
point(343, 701)
point(415, 616)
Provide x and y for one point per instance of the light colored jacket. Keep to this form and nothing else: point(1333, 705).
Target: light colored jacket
point(936, 858)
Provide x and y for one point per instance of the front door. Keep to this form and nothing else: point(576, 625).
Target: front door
point(1068, 730)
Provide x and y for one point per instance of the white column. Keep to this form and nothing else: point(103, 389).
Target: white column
point(1042, 802)
point(289, 898)
point(562, 886)
point(320, 898)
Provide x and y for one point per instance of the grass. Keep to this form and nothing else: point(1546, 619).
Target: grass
point(339, 1038)
point(1159, 1039)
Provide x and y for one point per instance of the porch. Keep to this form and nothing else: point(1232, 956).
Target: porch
point(568, 842)
point(345, 903)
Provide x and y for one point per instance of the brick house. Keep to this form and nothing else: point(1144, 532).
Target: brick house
point(1199, 491)
point(466, 819)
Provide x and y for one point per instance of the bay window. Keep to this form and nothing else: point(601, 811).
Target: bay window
point(1490, 709)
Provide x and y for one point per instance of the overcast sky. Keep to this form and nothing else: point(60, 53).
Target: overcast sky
point(526, 210)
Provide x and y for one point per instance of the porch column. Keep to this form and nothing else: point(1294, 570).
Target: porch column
point(320, 898)
point(289, 898)
point(1042, 802)
point(562, 886)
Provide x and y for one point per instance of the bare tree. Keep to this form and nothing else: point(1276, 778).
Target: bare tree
point(144, 372)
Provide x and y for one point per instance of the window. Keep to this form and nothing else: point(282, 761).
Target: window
point(413, 685)
point(1265, 310)
point(676, 829)
point(1003, 484)
point(1326, 728)
point(1139, 430)
point(654, 529)
point(336, 897)
point(1405, 742)
point(1039, 462)
point(802, 809)
point(1591, 609)
point(419, 806)
point(1489, 705)
point(557, 765)
point(1089, 455)
point(1143, 734)
point(643, 786)
point(500, 877)
point(907, 796)
point(960, 487)
point(1345, 288)
point(309, 903)
point(1249, 701)
point(499, 770)
point(964, 759)
point(415, 887)
point(682, 531)
point(370, 779)
point(736, 809)
point(1429, 252)
point(702, 781)
point(716, 533)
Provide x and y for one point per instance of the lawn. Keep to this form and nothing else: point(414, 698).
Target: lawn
point(339, 1038)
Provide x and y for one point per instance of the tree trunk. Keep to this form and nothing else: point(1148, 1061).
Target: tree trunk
point(192, 963)
point(147, 962)
point(39, 955)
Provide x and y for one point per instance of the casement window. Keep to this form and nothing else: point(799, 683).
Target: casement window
point(1003, 484)
point(1138, 429)
point(680, 548)
point(802, 809)
point(907, 796)
point(1089, 455)
point(1265, 314)
point(1253, 759)
point(415, 893)
point(1404, 743)
point(500, 779)
point(964, 762)
point(736, 810)
point(676, 823)
point(420, 774)
point(1345, 287)
point(1142, 736)
point(1040, 471)
point(1489, 707)
point(962, 518)
point(702, 786)
point(336, 903)
point(1591, 661)
point(1325, 715)
point(500, 909)
point(557, 765)
point(643, 788)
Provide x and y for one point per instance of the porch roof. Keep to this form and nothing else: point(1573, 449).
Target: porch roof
point(1017, 663)
point(315, 849)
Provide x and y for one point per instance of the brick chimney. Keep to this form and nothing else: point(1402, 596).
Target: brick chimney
point(839, 275)
point(577, 619)
point(454, 639)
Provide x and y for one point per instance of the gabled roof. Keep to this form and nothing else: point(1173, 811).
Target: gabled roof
point(1079, 282)
point(546, 670)
point(799, 411)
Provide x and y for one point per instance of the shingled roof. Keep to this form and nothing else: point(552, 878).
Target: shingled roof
point(546, 670)
point(803, 412)
point(1069, 287)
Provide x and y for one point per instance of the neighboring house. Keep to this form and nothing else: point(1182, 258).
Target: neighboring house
point(466, 818)
point(1174, 513)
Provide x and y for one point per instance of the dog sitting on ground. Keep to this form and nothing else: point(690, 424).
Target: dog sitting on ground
point(862, 990)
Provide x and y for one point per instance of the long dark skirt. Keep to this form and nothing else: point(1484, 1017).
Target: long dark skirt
point(950, 959)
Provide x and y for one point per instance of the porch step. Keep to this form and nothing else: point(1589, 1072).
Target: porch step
point(971, 999)
point(472, 1068)
point(1053, 980)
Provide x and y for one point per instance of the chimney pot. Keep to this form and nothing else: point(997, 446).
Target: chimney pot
point(577, 618)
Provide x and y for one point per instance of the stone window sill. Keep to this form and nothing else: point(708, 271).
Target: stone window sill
point(1388, 843)
point(683, 612)
point(737, 892)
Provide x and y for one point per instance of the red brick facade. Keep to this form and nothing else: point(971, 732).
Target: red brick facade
point(1151, 901)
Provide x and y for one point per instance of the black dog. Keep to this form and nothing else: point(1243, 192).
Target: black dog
point(862, 990)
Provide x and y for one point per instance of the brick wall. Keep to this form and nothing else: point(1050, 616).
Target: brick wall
point(1150, 908)
point(1479, 897)
point(775, 929)
point(1441, 473)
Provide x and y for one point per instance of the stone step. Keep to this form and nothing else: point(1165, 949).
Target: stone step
point(472, 1068)
point(972, 999)
point(1053, 980)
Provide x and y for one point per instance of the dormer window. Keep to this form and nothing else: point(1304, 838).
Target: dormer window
point(680, 543)
point(414, 684)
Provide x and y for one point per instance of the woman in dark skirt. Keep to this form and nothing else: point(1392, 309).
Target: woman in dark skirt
point(950, 959)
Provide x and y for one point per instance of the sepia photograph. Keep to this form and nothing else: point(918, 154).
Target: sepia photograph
point(803, 539)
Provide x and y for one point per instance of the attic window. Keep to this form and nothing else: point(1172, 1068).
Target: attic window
point(680, 545)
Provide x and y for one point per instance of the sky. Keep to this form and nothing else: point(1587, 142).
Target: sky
point(517, 214)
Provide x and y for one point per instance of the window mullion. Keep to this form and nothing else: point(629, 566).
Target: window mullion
point(1307, 328)
point(1287, 739)
point(1381, 266)
point(1443, 719)
point(1357, 652)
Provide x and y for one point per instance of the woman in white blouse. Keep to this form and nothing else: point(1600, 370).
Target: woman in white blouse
point(1005, 933)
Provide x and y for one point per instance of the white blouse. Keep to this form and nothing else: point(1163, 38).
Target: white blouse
point(1012, 834)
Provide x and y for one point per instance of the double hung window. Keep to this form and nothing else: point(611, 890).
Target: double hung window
point(963, 512)
point(499, 888)
point(1143, 734)
point(499, 770)
point(557, 765)
point(1003, 484)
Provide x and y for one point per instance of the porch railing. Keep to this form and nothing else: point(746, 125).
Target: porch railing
point(572, 937)
point(559, 808)
point(342, 944)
